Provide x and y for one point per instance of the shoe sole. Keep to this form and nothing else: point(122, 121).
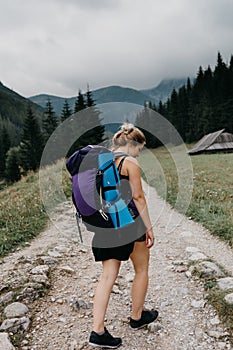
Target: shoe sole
point(137, 328)
point(143, 325)
point(105, 346)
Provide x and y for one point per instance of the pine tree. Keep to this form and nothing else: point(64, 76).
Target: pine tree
point(146, 120)
point(161, 108)
point(66, 111)
point(31, 146)
point(79, 103)
point(50, 121)
point(5, 144)
point(90, 100)
point(87, 118)
point(12, 171)
point(189, 87)
point(95, 134)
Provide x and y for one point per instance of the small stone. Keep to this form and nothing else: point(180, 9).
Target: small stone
point(225, 283)
point(214, 321)
point(198, 333)
point(16, 310)
point(40, 270)
point(73, 344)
point(82, 250)
point(54, 254)
point(197, 256)
point(24, 342)
point(80, 304)
point(192, 250)
point(7, 297)
point(221, 345)
point(215, 334)
point(15, 325)
point(178, 262)
point(59, 301)
point(69, 299)
point(41, 279)
point(67, 269)
point(116, 290)
point(229, 299)
point(198, 304)
point(48, 260)
point(5, 343)
point(188, 274)
point(154, 327)
point(181, 268)
point(29, 294)
point(129, 277)
point(208, 269)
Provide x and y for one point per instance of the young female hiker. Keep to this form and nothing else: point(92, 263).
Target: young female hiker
point(128, 143)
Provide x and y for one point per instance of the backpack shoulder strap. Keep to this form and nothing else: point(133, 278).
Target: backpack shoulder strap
point(120, 164)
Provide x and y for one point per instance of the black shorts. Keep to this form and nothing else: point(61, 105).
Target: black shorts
point(110, 243)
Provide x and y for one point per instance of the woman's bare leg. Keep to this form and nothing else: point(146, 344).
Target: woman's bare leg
point(102, 294)
point(140, 260)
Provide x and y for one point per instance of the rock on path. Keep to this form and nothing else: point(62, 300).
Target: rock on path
point(62, 319)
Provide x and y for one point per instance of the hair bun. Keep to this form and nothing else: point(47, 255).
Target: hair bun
point(127, 128)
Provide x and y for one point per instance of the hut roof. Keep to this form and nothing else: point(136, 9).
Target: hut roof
point(214, 142)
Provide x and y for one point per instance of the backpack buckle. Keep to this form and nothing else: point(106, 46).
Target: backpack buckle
point(103, 214)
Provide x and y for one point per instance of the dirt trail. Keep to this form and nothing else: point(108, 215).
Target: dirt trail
point(62, 319)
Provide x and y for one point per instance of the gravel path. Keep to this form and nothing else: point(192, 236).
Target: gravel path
point(62, 319)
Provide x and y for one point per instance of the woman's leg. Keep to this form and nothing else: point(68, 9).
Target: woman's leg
point(140, 260)
point(102, 294)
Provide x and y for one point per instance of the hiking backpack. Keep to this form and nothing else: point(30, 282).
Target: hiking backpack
point(96, 185)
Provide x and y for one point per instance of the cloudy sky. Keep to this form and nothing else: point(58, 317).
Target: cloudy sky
point(58, 46)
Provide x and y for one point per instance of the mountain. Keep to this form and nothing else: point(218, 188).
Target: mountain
point(13, 108)
point(116, 94)
point(164, 89)
point(102, 95)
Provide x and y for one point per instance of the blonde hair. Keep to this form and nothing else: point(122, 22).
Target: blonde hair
point(128, 133)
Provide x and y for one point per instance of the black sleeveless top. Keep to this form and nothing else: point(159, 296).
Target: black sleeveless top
point(126, 191)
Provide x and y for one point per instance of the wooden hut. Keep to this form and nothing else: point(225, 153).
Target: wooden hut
point(215, 142)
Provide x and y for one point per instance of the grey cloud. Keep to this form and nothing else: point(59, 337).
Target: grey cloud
point(90, 4)
point(57, 46)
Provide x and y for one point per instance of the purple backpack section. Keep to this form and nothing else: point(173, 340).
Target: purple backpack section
point(83, 167)
point(85, 180)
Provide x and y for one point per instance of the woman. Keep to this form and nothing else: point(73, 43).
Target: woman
point(127, 144)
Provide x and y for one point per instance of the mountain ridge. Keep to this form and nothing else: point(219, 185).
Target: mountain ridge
point(116, 93)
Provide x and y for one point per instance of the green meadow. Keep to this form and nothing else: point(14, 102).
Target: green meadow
point(212, 195)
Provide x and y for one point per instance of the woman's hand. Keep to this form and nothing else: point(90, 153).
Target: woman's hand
point(149, 238)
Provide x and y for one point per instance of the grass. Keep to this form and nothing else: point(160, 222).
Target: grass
point(225, 311)
point(212, 196)
point(215, 296)
point(22, 215)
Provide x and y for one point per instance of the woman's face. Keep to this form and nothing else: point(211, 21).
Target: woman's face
point(134, 150)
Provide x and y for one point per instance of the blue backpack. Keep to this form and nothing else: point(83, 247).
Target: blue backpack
point(96, 186)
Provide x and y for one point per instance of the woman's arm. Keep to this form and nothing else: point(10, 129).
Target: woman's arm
point(133, 170)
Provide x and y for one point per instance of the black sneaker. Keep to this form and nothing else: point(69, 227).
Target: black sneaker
point(105, 340)
point(146, 318)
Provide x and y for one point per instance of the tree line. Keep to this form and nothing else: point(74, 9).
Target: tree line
point(17, 160)
point(197, 108)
